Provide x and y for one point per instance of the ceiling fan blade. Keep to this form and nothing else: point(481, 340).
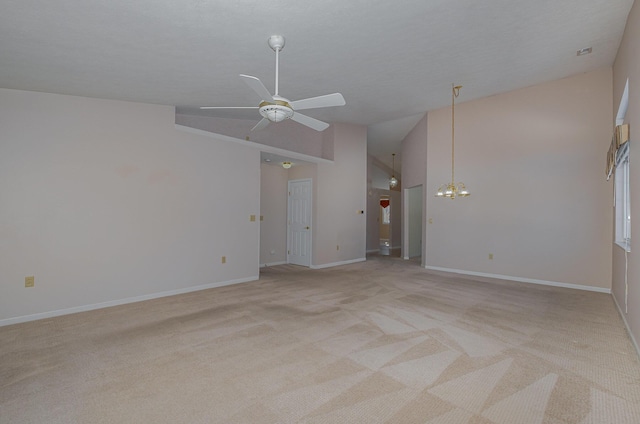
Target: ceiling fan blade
point(228, 107)
point(260, 125)
point(256, 85)
point(327, 100)
point(309, 122)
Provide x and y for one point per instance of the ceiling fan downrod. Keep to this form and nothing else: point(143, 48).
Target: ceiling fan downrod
point(276, 42)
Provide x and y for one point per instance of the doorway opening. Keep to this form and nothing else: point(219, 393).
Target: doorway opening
point(385, 225)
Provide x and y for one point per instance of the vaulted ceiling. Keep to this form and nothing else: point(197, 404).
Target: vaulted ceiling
point(392, 61)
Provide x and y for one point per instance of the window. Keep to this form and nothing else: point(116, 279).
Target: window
point(622, 189)
point(623, 199)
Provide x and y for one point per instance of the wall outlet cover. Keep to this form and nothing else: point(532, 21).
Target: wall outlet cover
point(29, 281)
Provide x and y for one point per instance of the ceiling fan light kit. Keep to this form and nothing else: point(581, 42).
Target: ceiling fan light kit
point(275, 108)
point(277, 111)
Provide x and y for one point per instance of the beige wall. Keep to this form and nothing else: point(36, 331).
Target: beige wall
point(533, 160)
point(627, 65)
point(340, 193)
point(287, 135)
point(105, 202)
point(273, 210)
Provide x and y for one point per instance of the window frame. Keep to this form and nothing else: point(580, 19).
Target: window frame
point(623, 201)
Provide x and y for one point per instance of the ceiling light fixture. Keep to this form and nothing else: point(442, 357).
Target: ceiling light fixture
point(286, 165)
point(393, 182)
point(453, 190)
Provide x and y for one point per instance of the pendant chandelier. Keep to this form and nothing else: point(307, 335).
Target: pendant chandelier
point(393, 182)
point(452, 190)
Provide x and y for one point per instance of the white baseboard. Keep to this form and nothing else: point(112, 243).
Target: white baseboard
point(85, 308)
point(522, 280)
point(273, 264)
point(330, 265)
point(626, 324)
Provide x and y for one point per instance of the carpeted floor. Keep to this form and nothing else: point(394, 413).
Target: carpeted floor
point(374, 342)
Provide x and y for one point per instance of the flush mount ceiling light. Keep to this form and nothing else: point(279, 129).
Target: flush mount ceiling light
point(453, 189)
point(286, 165)
point(393, 182)
point(584, 51)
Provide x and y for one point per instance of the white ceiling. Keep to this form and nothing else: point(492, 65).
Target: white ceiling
point(392, 60)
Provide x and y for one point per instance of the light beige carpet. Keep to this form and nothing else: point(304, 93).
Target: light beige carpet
point(379, 341)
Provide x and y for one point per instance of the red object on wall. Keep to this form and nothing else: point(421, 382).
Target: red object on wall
point(384, 203)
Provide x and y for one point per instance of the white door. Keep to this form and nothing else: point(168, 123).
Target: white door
point(299, 223)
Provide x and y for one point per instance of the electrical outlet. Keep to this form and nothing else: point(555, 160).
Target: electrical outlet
point(29, 281)
point(224, 259)
point(490, 255)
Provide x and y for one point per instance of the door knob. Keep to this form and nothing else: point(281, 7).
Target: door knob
point(307, 228)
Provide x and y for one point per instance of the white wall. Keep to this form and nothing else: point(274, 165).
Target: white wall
point(273, 210)
point(105, 201)
point(533, 160)
point(627, 65)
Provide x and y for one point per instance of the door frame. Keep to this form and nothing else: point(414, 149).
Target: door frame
point(406, 227)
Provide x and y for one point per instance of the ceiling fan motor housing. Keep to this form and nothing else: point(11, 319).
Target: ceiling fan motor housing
point(276, 42)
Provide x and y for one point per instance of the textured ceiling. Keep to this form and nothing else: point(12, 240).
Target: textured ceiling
point(392, 61)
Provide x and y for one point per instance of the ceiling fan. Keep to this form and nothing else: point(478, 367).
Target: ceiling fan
point(275, 108)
